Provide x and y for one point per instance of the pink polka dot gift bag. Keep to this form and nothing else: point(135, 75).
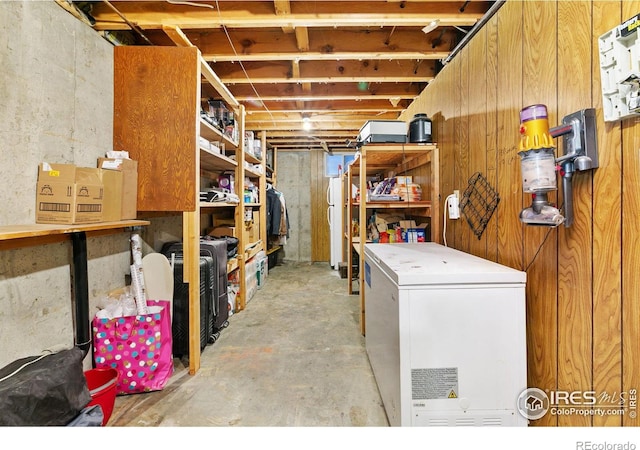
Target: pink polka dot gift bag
point(139, 347)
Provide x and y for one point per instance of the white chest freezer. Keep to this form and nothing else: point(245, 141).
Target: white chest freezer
point(445, 335)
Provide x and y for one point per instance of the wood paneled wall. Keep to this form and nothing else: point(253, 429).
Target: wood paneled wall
point(583, 292)
point(320, 232)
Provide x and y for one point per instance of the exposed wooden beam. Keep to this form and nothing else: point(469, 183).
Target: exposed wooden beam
point(318, 116)
point(303, 80)
point(309, 139)
point(306, 87)
point(351, 41)
point(256, 113)
point(149, 17)
point(276, 134)
point(316, 56)
point(177, 36)
point(220, 87)
point(320, 120)
point(283, 8)
point(302, 39)
point(335, 125)
point(321, 71)
point(357, 98)
point(352, 91)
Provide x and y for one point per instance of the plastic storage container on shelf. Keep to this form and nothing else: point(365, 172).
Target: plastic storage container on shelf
point(262, 268)
point(251, 278)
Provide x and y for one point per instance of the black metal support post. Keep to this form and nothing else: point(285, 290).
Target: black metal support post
point(81, 291)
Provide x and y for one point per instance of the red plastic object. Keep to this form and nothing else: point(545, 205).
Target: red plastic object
point(102, 387)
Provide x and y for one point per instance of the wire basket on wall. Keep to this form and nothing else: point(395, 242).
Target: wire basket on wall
point(478, 203)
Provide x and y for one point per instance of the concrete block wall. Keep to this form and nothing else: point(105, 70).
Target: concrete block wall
point(294, 181)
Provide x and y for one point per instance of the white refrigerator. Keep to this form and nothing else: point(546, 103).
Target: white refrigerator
point(334, 217)
point(445, 335)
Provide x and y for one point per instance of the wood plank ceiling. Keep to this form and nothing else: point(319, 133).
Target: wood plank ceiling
point(333, 64)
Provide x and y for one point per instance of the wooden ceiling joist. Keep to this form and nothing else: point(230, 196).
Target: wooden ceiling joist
point(305, 80)
point(150, 15)
point(365, 112)
point(356, 98)
point(327, 56)
point(336, 125)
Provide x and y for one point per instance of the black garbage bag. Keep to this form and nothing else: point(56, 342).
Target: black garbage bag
point(48, 389)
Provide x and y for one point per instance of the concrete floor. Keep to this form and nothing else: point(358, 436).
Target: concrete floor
point(293, 358)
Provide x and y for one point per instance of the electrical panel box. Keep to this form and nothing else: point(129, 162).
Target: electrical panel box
point(620, 71)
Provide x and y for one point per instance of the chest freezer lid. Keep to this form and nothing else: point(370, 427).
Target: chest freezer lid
point(434, 264)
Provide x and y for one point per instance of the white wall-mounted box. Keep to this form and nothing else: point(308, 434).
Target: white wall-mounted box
point(620, 71)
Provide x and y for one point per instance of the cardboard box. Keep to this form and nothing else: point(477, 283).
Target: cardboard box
point(246, 235)
point(112, 182)
point(55, 193)
point(66, 194)
point(251, 230)
point(89, 195)
point(255, 229)
point(128, 190)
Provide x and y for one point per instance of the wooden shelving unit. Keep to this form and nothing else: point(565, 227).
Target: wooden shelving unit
point(417, 160)
point(157, 102)
point(250, 248)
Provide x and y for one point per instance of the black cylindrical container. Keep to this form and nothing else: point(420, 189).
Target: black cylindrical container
point(420, 129)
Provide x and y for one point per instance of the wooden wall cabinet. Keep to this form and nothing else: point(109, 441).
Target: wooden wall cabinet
point(384, 160)
point(157, 103)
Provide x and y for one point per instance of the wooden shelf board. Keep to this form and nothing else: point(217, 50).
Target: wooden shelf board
point(218, 85)
point(211, 133)
point(252, 159)
point(232, 264)
point(252, 249)
point(9, 232)
point(396, 205)
point(273, 249)
point(215, 161)
point(251, 173)
point(397, 157)
point(217, 205)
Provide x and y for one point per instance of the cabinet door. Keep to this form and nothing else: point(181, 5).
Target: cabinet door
point(156, 119)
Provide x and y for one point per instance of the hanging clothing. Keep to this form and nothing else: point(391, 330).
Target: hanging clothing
point(277, 215)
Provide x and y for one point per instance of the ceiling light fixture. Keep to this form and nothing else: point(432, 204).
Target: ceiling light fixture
point(432, 26)
point(306, 123)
